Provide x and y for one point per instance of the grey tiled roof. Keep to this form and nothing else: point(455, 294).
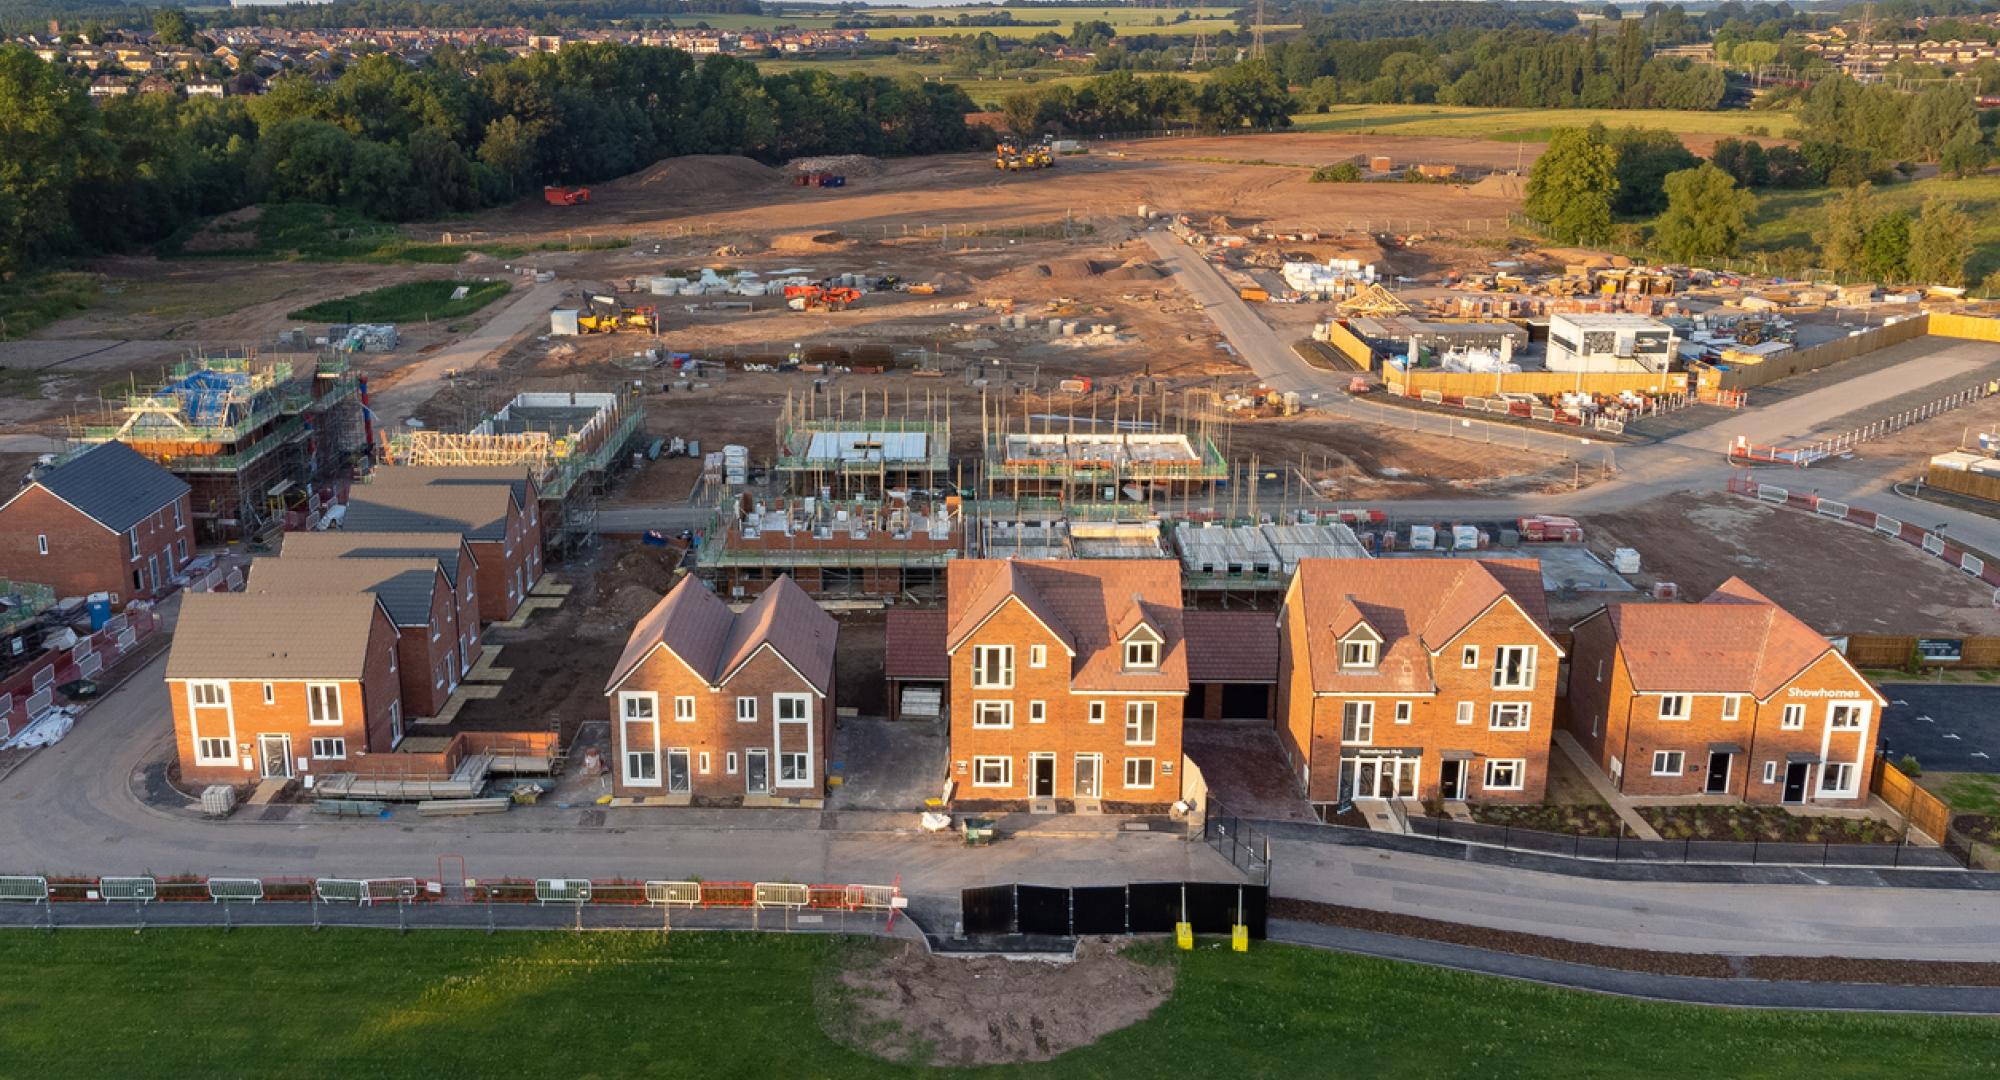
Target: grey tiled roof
point(115, 485)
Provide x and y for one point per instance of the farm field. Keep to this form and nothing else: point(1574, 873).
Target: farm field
point(1534, 125)
point(1786, 219)
point(355, 1002)
point(1203, 20)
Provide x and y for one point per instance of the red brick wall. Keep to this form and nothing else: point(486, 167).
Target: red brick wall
point(1295, 696)
point(1596, 681)
point(427, 656)
point(84, 557)
point(465, 616)
point(717, 732)
point(1066, 731)
point(504, 569)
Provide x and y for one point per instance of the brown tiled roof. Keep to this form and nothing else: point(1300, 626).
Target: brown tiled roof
point(1231, 646)
point(478, 512)
point(339, 544)
point(914, 646)
point(694, 624)
point(515, 477)
point(266, 636)
point(1416, 605)
point(1082, 601)
point(405, 586)
point(1734, 642)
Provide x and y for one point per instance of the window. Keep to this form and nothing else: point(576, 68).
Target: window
point(323, 703)
point(1037, 712)
point(1770, 772)
point(1514, 667)
point(1731, 707)
point(1038, 656)
point(209, 693)
point(214, 752)
point(729, 763)
point(1357, 653)
point(746, 711)
point(1142, 719)
point(704, 762)
point(1673, 707)
point(1668, 762)
point(42, 544)
point(683, 710)
point(639, 733)
point(270, 694)
point(1836, 778)
point(1138, 772)
point(1465, 712)
point(1506, 774)
point(1357, 722)
point(1097, 712)
point(435, 632)
point(1468, 657)
point(1508, 716)
point(1845, 716)
point(181, 550)
point(1402, 712)
point(177, 514)
point(329, 749)
point(993, 666)
point(1793, 718)
point(133, 536)
point(637, 706)
point(1142, 652)
point(992, 772)
point(992, 714)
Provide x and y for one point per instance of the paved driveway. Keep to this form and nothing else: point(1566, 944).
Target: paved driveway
point(1946, 728)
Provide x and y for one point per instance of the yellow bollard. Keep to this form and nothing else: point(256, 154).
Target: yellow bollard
point(1184, 936)
point(1239, 938)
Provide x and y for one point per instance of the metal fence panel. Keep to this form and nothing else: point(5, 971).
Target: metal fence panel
point(1097, 909)
point(135, 889)
point(220, 889)
point(988, 909)
point(380, 889)
point(871, 897)
point(1154, 906)
point(780, 895)
point(562, 890)
point(1042, 909)
point(23, 888)
point(340, 890)
point(673, 893)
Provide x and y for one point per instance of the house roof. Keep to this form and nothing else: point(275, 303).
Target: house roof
point(515, 477)
point(695, 625)
point(1231, 646)
point(401, 500)
point(1736, 641)
point(1083, 603)
point(914, 645)
point(405, 586)
point(114, 485)
point(269, 636)
point(340, 544)
point(1417, 606)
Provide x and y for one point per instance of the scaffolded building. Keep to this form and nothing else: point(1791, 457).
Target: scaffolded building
point(251, 435)
point(1223, 558)
point(833, 548)
point(1142, 450)
point(856, 449)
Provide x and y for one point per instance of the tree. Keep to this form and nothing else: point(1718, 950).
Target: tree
point(1885, 251)
point(1940, 244)
point(171, 24)
point(1743, 159)
point(1572, 186)
point(47, 124)
point(1846, 228)
point(1964, 155)
point(1645, 157)
point(1707, 214)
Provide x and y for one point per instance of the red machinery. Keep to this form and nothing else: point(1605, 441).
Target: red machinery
point(565, 196)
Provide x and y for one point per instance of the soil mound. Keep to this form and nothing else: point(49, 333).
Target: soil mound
point(807, 243)
point(995, 1011)
point(1501, 186)
point(844, 164)
point(1069, 269)
point(702, 173)
point(227, 232)
point(1135, 270)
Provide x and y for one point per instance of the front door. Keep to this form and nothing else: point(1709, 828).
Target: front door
point(275, 751)
point(1718, 774)
point(153, 571)
point(1366, 773)
point(758, 772)
point(1451, 781)
point(1086, 776)
point(1795, 781)
point(678, 780)
point(1044, 786)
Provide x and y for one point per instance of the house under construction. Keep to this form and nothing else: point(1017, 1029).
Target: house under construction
point(1134, 447)
point(570, 440)
point(251, 435)
point(853, 447)
point(834, 548)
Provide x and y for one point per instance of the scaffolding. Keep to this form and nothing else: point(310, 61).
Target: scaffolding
point(846, 547)
point(1148, 445)
point(854, 447)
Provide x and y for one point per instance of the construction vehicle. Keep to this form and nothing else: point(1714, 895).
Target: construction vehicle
point(1077, 384)
point(1253, 294)
point(556, 195)
point(820, 297)
point(607, 316)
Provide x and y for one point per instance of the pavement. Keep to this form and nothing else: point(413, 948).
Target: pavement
point(1946, 728)
point(1568, 747)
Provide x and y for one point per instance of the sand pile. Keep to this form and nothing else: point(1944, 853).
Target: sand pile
point(807, 243)
point(1501, 186)
point(1134, 270)
point(1069, 269)
point(703, 174)
point(849, 165)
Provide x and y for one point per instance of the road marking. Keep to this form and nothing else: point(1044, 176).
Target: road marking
point(1951, 734)
point(1897, 701)
point(1927, 719)
point(1977, 754)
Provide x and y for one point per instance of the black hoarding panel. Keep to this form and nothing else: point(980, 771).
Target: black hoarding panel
point(1098, 909)
point(988, 910)
point(1155, 906)
point(1042, 909)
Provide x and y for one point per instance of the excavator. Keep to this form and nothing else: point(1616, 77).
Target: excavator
point(608, 316)
point(1012, 156)
point(820, 297)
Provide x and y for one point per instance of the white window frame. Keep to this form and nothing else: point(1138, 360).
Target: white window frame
point(706, 761)
point(1849, 771)
point(1362, 716)
point(1677, 757)
point(1038, 712)
point(176, 504)
point(1524, 675)
point(1097, 712)
point(982, 709)
point(1771, 772)
point(1141, 653)
point(640, 709)
point(132, 534)
point(1403, 712)
point(1359, 653)
point(328, 748)
point(684, 709)
point(1465, 713)
point(1681, 708)
point(1142, 718)
point(1468, 657)
point(1520, 770)
point(746, 710)
point(1857, 710)
point(729, 763)
point(270, 694)
point(204, 744)
point(781, 704)
point(1038, 656)
point(980, 765)
point(318, 694)
point(1732, 707)
point(42, 543)
point(1792, 718)
point(1150, 769)
point(1500, 708)
point(1000, 658)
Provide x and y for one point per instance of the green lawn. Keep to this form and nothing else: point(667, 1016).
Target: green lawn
point(1516, 124)
point(412, 301)
point(195, 1003)
point(1968, 793)
point(34, 301)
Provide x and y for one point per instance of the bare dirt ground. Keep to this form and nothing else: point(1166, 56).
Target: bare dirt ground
point(1883, 586)
point(922, 1009)
point(1353, 462)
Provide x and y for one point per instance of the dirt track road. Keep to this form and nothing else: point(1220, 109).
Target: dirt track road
point(418, 382)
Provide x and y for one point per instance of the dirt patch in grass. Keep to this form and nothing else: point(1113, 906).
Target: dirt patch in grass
point(1570, 820)
point(1763, 823)
point(918, 1008)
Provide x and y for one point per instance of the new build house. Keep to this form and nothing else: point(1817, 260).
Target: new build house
point(452, 554)
point(266, 685)
point(494, 509)
point(107, 520)
point(1416, 678)
point(1067, 680)
point(415, 593)
point(710, 703)
point(1733, 696)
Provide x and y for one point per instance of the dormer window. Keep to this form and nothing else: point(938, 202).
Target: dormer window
point(1358, 653)
point(1142, 653)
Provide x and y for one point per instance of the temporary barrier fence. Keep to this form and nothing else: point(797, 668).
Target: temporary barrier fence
point(1804, 456)
point(1969, 561)
point(1149, 907)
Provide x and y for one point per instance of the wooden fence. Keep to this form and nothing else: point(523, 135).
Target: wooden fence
point(1923, 810)
point(1347, 345)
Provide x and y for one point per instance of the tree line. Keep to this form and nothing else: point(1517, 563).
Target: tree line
point(401, 143)
point(1246, 94)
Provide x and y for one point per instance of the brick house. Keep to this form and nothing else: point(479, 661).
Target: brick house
point(713, 704)
point(495, 509)
point(107, 520)
point(1732, 696)
point(281, 686)
point(453, 555)
point(1067, 680)
point(415, 593)
point(1417, 678)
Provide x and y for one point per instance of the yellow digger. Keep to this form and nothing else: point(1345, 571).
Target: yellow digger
point(608, 316)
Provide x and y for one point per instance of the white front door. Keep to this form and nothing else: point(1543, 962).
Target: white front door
point(275, 754)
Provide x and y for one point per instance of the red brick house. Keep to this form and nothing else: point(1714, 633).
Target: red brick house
point(107, 520)
point(1733, 696)
point(1068, 679)
point(454, 557)
point(1417, 678)
point(724, 706)
point(496, 510)
point(415, 593)
point(281, 686)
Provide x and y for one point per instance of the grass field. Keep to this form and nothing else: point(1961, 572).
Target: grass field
point(985, 91)
point(1531, 124)
point(197, 1003)
point(32, 302)
point(1207, 20)
point(1786, 219)
point(310, 231)
point(413, 301)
